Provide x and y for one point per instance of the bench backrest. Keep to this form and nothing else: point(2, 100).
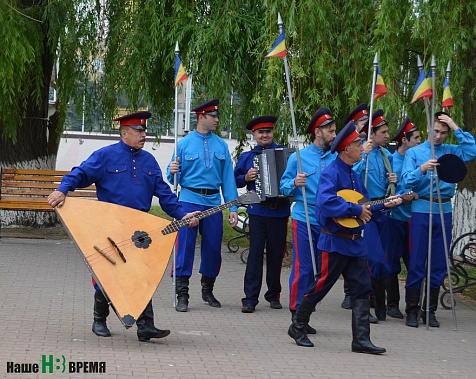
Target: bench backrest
point(22, 189)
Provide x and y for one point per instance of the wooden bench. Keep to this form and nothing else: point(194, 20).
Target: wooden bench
point(28, 190)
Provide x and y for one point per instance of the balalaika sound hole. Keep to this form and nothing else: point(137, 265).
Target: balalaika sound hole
point(142, 240)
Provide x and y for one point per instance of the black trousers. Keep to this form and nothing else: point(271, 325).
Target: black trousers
point(354, 269)
point(269, 232)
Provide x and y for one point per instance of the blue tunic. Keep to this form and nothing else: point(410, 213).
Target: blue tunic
point(124, 176)
point(205, 162)
point(416, 181)
point(313, 160)
point(376, 231)
point(329, 205)
point(402, 212)
point(419, 224)
point(377, 181)
point(245, 162)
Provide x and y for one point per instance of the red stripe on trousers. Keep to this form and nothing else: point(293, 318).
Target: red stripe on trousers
point(324, 271)
point(294, 286)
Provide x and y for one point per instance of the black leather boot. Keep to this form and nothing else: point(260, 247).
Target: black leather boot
point(361, 329)
point(372, 299)
point(308, 328)
point(207, 292)
point(181, 287)
point(379, 289)
point(432, 321)
point(412, 300)
point(373, 319)
point(297, 330)
point(145, 325)
point(346, 303)
point(101, 311)
point(393, 296)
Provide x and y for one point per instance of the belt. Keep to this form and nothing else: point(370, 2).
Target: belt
point(435, 199)
point(203, 191)
point(274, 205)
point(352, 237)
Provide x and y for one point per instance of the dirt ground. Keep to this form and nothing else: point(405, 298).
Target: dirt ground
point(50, 233)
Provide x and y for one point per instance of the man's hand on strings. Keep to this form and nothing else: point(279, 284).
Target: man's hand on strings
point(193, 220)
point(366, 214)
point(393, 201)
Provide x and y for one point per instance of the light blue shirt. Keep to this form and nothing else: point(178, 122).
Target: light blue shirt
point(205, 162)
point(402, 212)
point(313, 160)
point(377, 180)
point(415, 180)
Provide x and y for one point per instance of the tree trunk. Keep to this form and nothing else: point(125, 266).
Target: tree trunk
point(464, 211)
point(37, 139)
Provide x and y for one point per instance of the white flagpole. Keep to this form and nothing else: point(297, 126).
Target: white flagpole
point(448, 73)
point(428, 119)
point(442, 220)
point(174, 250)
point(371, 112)
point(296, 145)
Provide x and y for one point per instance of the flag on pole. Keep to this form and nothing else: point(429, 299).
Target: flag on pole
point(422, 87)
point(380, 88)
point(447, 98)
point(180, 74)
point(279, 47)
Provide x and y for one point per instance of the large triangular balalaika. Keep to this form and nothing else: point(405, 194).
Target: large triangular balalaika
point(126, 250)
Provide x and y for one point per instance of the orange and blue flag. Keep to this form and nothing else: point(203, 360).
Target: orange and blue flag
point(447, 98)
point(380, 88)
point(279, 47)
point(180, 74)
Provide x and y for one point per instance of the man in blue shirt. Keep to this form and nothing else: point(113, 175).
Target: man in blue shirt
point(380, 178)
point(417, 165)
point(203, 165)
point(268, 223)
point(314, 159)
point(341, 249)
point(406, 137)
point(124, 174)
point(360, 117)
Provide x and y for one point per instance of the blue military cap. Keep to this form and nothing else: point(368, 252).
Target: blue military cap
point(406, 127)
point(378, 120)
point(345, 137)
point(261, 122)
point(322, 117)
point(451, 169)
point(359, 113)
point(137, 120)
point(208, 107)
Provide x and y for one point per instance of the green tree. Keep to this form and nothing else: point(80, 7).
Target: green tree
point(331, 45)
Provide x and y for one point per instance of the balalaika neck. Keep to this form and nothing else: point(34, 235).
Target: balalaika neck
point(177, 224)
point(377, 202)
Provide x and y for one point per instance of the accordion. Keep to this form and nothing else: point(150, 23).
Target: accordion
point(271, 164)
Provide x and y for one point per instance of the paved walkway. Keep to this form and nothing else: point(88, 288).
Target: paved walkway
point(46, 303)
